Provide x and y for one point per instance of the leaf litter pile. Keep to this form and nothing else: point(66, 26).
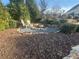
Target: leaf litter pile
point(15, 45)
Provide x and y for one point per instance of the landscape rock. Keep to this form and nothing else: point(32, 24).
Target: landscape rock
point(74, 53)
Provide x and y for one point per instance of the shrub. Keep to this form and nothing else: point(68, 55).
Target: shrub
point(77, 30)
point(12, 24)
point(55, 22)
point(3, 25)
point(44, 21)
point(68, 28)
point(38, 20)
point(63, 21)
point(25, 15)
point(4, 17)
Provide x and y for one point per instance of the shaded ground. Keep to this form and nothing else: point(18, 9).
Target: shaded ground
point(15, 45)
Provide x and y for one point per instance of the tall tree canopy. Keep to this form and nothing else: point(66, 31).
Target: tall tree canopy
point(4, 17)
point(26, 11)
point(14, 9)
point(34, 12)
point(43, 5)
point(16, 1)
point(4, 12)
point(18, 10)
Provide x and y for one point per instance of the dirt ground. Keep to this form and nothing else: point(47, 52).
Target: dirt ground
point(15, 45)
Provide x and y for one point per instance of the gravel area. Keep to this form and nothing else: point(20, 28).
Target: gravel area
point(39, 30)
point(15, 45)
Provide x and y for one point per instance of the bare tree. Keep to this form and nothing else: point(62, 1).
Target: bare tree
point(43, 6)
point(57, 11)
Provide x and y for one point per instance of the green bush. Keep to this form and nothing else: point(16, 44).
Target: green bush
point(68, 28)
point(37, 20)
point(25, 15)
point(55, 22)
point(3, 25)
point(77, 30)
point(63, 21)
point(12, 24)
point(45, 22)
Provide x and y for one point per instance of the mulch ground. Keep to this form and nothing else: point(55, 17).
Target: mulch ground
point(15, 45)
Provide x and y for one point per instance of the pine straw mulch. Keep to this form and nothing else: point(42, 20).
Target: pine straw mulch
point(15, 45)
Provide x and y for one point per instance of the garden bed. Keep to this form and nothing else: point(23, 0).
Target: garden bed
point(15, 45)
